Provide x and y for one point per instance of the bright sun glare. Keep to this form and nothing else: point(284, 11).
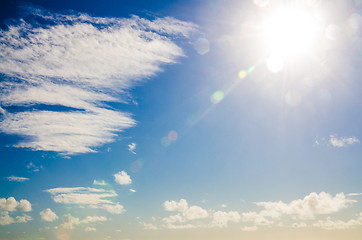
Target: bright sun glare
point(289, 31)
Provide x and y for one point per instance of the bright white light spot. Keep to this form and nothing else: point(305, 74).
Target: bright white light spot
point(289, 31)
point(275, 64)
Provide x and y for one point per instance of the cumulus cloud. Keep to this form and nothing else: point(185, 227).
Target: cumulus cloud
point(100, 183)
point(221, 219)
point(69, 222)
point(78, 63)
point(186, 213)
point(11, 205)
point(132, 148)
point(17, 179)
point(306, 208)
point(342, 141)
point(122, 178)
point(91, 197)
point(6, 219)
point(48, 215)
point(330, 224)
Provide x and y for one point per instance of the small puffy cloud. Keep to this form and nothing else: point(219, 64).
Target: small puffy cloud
point(148, 226)
point(174, 206)
point(17, 179)
point(185, 214)
point(91, 219)
point(6, 219)
point(33, 167)
point(69, 222)
point(132, 190)
point(132, 148)
point(223, 205)
point(23, 219)
point(221, 219)
point(100, 183)
point(112, 208)
point(48, 215)
point(90, 229)
point(122, 178)
point(342, 141)
point(11, 205)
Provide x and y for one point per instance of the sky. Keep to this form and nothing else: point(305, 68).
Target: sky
point(145, 120)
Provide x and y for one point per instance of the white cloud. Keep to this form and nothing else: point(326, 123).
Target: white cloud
point(48, 215)
point(312, 204)
point(33, 167)
point(342, 141)
point(91, 219)
point(148, 226)
point(17, 179)
point(11, 205)
point(69, 222)
point(122, 178)
point(223, 205)
point(100, 183)
point(221, 219)
point(132, 148)
point(330, 224)
point(132, 190)
point(79, 62)
point(23, 219)
point(173, 206)
point(90, 229)
point(92, 197)
point(5, 219)
point(186, 214)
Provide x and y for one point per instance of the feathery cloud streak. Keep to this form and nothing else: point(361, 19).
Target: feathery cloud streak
point(78, 63)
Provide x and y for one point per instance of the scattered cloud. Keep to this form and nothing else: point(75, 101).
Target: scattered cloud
point(306, 208)
point(92, 219)
point(221, 219)
point(132, 148)
point(69, 222)
point(132, 190)
point(33, 167)
point(6, 219)
point(91, 197)
point(185, 214)
point(86, 62)
point(11, 205)
point(148, 226)
point(17, 179)
point(48, 215)
point(100, 183)
point(330, 224)
point(122, 178)
point(223, 205)
point(342, 141)
point(354, 194)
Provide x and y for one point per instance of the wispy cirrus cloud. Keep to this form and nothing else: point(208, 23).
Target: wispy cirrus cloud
point(17, 179)
point(72, 65)
point(91, 197)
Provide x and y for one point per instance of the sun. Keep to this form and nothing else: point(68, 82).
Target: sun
point(289, 31)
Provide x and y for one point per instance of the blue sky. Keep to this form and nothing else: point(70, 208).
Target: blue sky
point(180, 119)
